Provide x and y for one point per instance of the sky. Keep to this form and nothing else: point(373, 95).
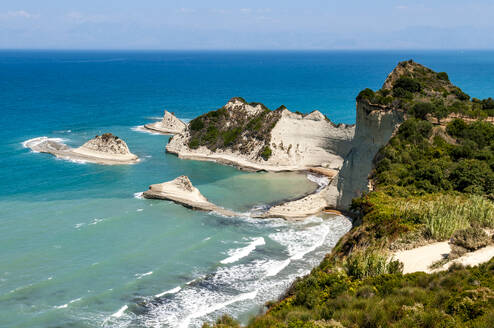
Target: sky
point(253, 24)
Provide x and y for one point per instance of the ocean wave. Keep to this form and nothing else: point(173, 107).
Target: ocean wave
point(141, 128)
point(138, 195)
point(215, 307)
point(120, 312)
point(238, 253)
point(141, 275)
point(300, 242)
point(171, 291)
point(36, 141)
point(277, 267)
point(67, 304)
point(321, 181)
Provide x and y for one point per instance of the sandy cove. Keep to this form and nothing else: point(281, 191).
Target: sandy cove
point(106, 149)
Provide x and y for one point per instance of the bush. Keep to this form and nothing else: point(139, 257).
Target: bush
point(421, 109)
point(196, 124)
point(266, 153)
point(407, 84)
point(366, 94)
point(443, 76)
point(460, 94)
point(471, 238)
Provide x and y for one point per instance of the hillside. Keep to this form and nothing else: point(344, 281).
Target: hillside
point(431, 180)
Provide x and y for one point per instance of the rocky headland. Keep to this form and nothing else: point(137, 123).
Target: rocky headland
point(105, 149)
point(252, 137)
point(170, 124)
point(181, 191)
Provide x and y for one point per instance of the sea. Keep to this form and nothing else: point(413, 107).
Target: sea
point(80, 247)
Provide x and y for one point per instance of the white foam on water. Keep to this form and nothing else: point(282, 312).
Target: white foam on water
point(321, 181)
point(244, 286)
point(138, 195)
point(277, 267)
point(96, 221)
point(139, 210)
point(79, 225)
point(36, 141)
point(67, 304)
point(141, 275)
point(171, 291)
point(238, 253)
point(141, 128)
point(215, 307)
point(120, 312)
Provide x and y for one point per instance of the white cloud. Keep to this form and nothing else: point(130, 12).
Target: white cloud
point(401, 7)
point(79, 18)
point(21, 14)
point(246, 10)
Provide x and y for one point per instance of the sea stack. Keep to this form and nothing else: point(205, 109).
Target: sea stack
point(170, 124)
point(181, 191)
point(105, 149)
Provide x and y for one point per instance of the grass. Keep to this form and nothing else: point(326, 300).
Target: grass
point(444, 214)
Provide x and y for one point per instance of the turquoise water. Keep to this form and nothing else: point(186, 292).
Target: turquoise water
point(79, 248)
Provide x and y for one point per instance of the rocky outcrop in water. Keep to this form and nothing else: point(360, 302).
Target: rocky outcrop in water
point(181, 191)
point(170, 124)
point(105, 149)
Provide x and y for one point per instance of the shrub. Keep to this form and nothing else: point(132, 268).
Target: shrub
point(366, 94)
point(196, 124)
point(460, 94)
point(443, 76)
point(194, 143)
point(266, 153)
point(407, 84)
point(421, 109)
point(471, 238)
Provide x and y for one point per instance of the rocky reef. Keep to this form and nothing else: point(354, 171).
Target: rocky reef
point(105, 149)
point(170, 124)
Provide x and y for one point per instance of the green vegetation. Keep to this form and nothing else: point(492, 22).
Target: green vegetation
point(431, 182)
point(234, 129)
point(419, 84)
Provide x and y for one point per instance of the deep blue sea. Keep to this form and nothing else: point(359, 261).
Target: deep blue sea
point(79, 248)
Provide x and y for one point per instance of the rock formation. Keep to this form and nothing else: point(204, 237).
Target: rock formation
point(170, 124)
point(252, 137)
point(105, 149)
point(181, 191)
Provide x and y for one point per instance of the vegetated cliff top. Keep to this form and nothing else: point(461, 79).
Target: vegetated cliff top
point(426, 189)
point(420, 91)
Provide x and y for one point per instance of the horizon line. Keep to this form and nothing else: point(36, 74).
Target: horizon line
point(245, 49)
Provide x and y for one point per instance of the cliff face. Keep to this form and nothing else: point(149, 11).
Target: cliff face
point(170, 124)
point(254, 137)
point(375, 126)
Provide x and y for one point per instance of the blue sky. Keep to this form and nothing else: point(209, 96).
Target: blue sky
point(253, 24)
